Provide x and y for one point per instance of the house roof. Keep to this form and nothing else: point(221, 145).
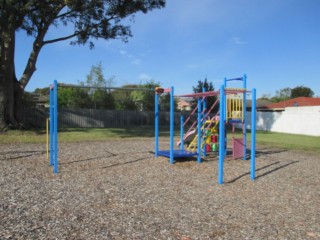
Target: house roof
point(183, 103)
point(295, 102)
point(260, 103)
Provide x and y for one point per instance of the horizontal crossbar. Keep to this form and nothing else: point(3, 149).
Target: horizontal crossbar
point(106, 88)
point(235, 79)
point(202, 94)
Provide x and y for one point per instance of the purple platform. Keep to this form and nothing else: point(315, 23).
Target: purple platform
point(177, 153)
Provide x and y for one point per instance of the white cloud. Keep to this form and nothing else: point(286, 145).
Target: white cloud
point(132, 58)
point(192, 66)
point(136, 61)
point(237, 40)
point(217, 83)
point(144, 77)
point(123, 52)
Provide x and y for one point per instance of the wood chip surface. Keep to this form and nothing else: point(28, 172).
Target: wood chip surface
point(118, 190)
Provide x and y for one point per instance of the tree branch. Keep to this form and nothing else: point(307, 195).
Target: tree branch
point(64, 14)
point(60, 39)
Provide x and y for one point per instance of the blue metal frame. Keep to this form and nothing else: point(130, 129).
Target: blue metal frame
point(223, 120)
point(171, 153)
point(171, 125)
point(253, 136)
point(221, 136)
point(199, 131)
point(244, 78)
point(204, 110)
point(181, 132)
point(156, 124)
point(54, 126)
point(51, 125)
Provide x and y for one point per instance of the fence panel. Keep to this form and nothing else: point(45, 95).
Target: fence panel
point(32, 117)
point(100, 118)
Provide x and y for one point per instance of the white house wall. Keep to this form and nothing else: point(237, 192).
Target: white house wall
point(296, 120)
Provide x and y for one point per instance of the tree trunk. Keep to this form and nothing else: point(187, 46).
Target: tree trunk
point(11, 79)
point(3, 100)
point(11, 90)
point(9, 93)
point(3, 96)
point(3, 71)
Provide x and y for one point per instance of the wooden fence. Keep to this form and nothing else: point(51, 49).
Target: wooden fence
point(98, 118)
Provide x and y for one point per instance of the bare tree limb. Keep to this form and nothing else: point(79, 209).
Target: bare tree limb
point(60, 39)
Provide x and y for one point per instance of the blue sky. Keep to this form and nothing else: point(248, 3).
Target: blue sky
point(275, 42)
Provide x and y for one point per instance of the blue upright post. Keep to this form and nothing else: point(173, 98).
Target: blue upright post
point(221, 137)
point(199, 130)
point(55, 114)
point(224, 98)
point(181, 133)
point(253, 136)
point(156, 124)
point(225, 117)
point(244, 79)
point(204, 110)
point(51, 125)
point(171, 124)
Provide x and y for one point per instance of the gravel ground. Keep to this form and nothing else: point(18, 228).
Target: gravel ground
point(118, 190)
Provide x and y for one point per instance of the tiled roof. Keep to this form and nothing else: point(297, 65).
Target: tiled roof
point(260, 103)
point(295, 102)
point(183, 103)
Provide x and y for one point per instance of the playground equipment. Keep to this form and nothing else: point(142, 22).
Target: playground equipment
point(54, 126)
point(206, 137)
point(52, 143)
point(232, 104)
point(172, 153)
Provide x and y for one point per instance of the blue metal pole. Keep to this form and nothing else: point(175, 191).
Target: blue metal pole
point(51, 125)
point(171, 124)
point(156, 124)
point(244, 79)
point(221, 137)
point(199, 131)
point(55, 122)
point(181, 133)
point(204, 110)
point(253, 136)
point(224, 109)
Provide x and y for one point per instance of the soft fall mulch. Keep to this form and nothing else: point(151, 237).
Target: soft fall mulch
point(118, 190)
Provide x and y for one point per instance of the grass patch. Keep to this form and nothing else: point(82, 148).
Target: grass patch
point(295, 142)
point(79, 134)
point(102, 134)
point(22, 136)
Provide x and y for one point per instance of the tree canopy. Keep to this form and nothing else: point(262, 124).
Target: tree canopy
point(74, 98)
point(100, 98)
point(282, 95)
point(207, 86)
point(301, 91)
point(103, 95)
point(124, 99)
point(86, 20)
point(289, 93)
